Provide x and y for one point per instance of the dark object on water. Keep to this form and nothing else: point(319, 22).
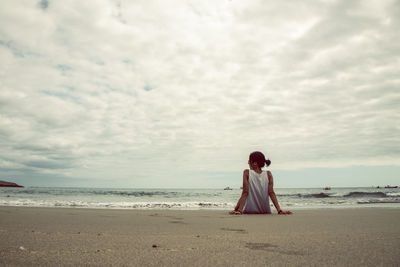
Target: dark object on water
point(320, 195)
point(227, 188)
point(327, 188)
point(9, 184)
point(389, 186)
point(154, 246)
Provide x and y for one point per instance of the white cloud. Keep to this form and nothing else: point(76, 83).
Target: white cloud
point(166, 90)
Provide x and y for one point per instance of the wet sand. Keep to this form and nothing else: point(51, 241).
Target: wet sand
point(70, 237)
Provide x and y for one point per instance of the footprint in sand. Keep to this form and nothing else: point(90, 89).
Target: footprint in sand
point(180, 222)
point(242, 231)
point(260, 246)
point(271, 248)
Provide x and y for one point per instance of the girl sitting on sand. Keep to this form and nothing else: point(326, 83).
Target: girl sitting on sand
point(258, 187)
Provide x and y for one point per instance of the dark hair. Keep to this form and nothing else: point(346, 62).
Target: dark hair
point(259, 158)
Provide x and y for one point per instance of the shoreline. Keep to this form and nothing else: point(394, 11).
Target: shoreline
point(388, 205)
point(76, 236)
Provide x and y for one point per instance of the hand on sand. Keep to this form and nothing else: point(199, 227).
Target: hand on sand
point(287, 212)
point(235, 212)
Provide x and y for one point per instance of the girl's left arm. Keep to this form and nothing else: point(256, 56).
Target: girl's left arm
point(245, 192)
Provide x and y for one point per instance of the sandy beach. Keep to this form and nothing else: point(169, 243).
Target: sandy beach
point(331, 237)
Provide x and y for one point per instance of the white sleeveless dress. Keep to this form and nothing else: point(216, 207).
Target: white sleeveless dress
point(257, 201)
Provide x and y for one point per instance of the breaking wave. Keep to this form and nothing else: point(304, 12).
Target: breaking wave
point(120, 205)
point(365, 194)
point(331, 195)
point(186, 199)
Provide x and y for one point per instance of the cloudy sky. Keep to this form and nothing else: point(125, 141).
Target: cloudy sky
point(178, 93)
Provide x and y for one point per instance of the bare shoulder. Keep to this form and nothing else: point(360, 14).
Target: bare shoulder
point(246, 172)
point(269, 174)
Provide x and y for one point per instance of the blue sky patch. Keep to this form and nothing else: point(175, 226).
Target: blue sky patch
point(63, 68)
point(44, 4)
point(13, 47)
point(61, 95)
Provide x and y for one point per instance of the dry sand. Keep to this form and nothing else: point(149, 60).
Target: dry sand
point(53, 236)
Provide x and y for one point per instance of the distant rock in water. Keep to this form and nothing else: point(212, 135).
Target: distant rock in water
point(9, 184)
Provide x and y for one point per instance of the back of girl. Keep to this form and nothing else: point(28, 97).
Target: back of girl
point(258, 188)
point(258, 199)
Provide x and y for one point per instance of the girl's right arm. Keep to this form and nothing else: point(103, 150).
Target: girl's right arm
point(242, 200)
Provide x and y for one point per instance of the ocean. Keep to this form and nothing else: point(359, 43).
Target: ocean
point(194, 199)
